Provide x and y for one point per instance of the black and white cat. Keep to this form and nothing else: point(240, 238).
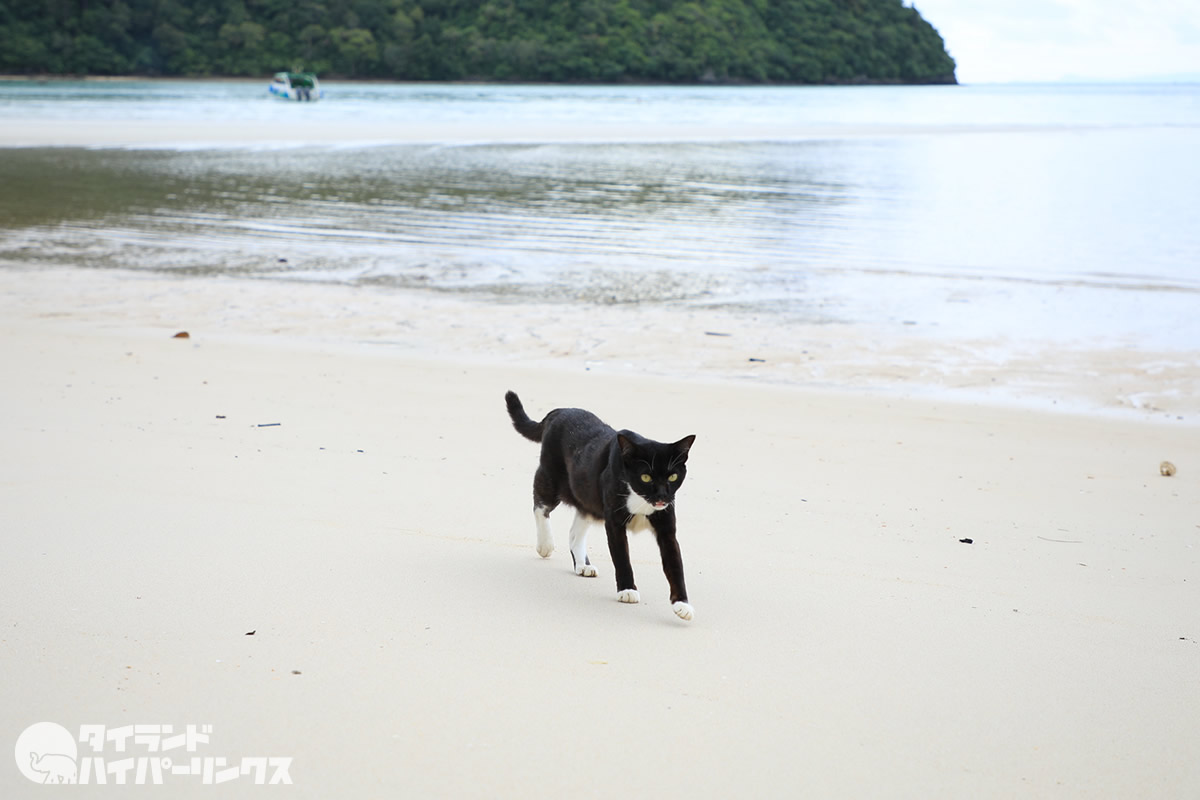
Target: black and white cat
point(624, 480)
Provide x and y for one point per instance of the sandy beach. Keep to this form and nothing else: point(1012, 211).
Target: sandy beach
point(308, 526)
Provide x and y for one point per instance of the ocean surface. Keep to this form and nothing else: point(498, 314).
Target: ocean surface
point(996, 213)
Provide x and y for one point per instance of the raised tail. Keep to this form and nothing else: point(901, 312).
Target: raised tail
point(525, 426)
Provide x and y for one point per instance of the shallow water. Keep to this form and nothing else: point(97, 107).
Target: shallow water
point(1009, 213)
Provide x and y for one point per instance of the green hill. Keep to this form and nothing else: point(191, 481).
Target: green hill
point(723, 41)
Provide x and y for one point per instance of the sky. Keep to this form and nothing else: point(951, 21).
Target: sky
point(999, 41)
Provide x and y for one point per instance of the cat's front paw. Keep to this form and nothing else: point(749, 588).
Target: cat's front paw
point(586, 570)
point(629, 596)
point(545, 549)
point(682, 610)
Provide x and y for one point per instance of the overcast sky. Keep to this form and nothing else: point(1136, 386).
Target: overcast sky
point(1049, 40)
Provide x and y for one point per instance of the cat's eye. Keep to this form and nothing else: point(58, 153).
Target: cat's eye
point(645, 478)
point(674, 476)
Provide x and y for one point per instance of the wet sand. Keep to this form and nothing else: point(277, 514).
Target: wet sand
point(683, 341)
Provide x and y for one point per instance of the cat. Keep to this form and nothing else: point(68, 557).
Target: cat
point(624, 480)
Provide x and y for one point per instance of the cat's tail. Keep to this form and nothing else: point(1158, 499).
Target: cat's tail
point(525, 426)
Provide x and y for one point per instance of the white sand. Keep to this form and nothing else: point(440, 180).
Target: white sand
point(379, 541)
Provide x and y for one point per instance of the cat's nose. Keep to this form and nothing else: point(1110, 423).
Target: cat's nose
point(660, 505)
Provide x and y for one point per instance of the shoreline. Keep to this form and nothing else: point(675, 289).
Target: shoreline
point(680, 342)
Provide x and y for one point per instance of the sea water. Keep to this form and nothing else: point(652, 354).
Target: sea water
point(1048, 213)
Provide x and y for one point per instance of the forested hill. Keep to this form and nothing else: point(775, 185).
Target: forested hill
point(723, 41)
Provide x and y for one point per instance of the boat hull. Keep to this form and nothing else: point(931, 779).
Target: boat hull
point(299, 95)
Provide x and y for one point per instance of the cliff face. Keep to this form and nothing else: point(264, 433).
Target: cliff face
point(672, 41)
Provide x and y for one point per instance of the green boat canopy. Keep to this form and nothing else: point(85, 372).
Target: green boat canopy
point(301, 80)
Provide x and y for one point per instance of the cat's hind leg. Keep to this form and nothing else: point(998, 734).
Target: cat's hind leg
point(545, 542)
point(545, 499)
point(579, 556)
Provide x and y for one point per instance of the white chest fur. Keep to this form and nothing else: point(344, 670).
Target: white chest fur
point(639, 508)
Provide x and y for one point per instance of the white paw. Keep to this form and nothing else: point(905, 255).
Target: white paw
point(545, 549)
point(628, 596)
point(586, 570)
point(682, 610)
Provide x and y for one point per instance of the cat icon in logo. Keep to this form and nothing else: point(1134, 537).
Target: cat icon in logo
point(46, 753)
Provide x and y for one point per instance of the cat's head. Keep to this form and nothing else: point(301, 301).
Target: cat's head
point(653, 470)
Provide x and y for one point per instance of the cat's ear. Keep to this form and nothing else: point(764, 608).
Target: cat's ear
point(626, 446)
point(684, 445)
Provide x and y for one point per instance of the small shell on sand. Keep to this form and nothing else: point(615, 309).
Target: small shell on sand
point(1166, 468)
